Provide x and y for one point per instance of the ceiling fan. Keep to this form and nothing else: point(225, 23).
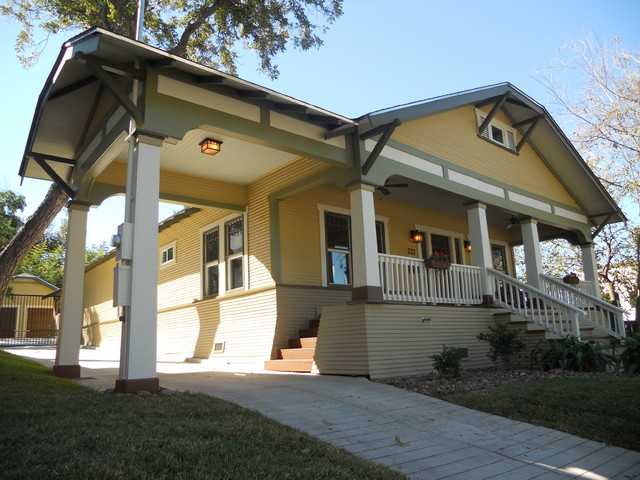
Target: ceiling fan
point(384, 189)
point(513, 221)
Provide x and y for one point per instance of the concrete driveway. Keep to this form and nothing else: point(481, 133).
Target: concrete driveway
point(420, 436)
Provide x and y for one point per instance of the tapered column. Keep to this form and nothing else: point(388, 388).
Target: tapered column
point(532, 258)
point(481, 252)
point(139, 277)
point(67, 362)
point(366, 277)
point(590, 267)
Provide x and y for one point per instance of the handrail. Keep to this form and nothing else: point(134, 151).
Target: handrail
point(535, 305)
point(408, 279)
point(597, 313)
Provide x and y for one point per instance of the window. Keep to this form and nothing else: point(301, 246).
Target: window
point(168, 255)
point(497, 132)
point(211, 247)
point(499, 254)
point(234, 233)
point(223, 260)
point(338, 238)
point(443, 241)
point(336, 246)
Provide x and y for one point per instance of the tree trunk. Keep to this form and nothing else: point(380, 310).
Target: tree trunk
point(32, 230)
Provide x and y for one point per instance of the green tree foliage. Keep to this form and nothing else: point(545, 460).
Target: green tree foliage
point(210, 32)
point(11, 203)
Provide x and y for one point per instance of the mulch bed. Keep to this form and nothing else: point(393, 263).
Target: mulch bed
point(478, 379)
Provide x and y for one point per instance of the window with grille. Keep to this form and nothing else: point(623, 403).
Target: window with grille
point(211, 256)
point(497, 132)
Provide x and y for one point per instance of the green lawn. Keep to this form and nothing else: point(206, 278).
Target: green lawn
point(55, 428)
point(602, 409)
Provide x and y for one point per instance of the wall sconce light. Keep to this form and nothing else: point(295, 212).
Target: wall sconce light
point(210, 147)
point(416, 236)
point(467, 246)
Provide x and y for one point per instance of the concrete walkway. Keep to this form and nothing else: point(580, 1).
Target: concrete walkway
point(420, 436)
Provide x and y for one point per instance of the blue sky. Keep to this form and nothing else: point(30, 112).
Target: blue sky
point(379, 54)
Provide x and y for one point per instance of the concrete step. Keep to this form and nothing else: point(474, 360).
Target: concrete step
point(297, 353)
point(288, 365)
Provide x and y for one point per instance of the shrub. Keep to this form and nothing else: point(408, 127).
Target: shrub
point(629, 359)
point(571, 354)
point(503, 343)
point(448, 362)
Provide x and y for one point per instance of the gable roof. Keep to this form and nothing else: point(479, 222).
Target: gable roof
point(60, 130)
point(547, 139)
point(26, 277)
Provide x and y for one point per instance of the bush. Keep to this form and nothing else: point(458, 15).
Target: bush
point(503, 343)
point(571, 354)
point(629, 359)
point(448, 362)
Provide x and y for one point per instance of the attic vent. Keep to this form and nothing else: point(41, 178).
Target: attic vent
point(497, 132)
point(218, 347)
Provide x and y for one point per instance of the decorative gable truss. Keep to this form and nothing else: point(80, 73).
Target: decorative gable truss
point(497, 132)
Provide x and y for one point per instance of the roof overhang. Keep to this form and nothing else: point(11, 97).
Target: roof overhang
point(65, 105)
point(547, 139)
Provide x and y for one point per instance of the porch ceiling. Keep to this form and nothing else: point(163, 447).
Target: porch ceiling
point(238, 162)
point(439, 200)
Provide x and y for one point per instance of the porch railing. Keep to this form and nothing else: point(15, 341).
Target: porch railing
point(535, 305)
point(407, 279)
point(599, 314)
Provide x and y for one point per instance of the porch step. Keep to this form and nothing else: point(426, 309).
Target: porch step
point(302, 366)
point(297, 353)
point(306, 342)
point(308, 332)
point(299, 356)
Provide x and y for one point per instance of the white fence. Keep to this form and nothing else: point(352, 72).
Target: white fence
point(407, 279)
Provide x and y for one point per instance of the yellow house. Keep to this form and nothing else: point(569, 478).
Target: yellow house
point(29, 310)
point(395, 228)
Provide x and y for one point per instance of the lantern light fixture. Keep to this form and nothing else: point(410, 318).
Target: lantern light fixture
point(210, 146)
point(467, 246)
point(416, 236)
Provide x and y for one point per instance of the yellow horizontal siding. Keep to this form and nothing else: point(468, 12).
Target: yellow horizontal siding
point(453, 136)
point(300, 233)
point(23, 286)
point(342, 341)
point(259, 231)
point(297, 306)
point(383, 340)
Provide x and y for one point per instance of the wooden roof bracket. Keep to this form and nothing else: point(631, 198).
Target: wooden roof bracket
point(534, 122)
point(602, 225)
point(386, 130)
point(496, 107)
point(40, 160)
point(97, 67)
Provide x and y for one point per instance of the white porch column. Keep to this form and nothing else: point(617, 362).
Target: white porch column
point(590, 267)
point(67, 362)
point(532, 258)
point(366, 277)
point(139, 330)
point(481, 251)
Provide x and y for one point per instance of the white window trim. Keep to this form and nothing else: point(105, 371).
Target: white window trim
point(222, 258)
point(322, 208)
point(506, 131)
point(428, 231)
point(165, 248)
